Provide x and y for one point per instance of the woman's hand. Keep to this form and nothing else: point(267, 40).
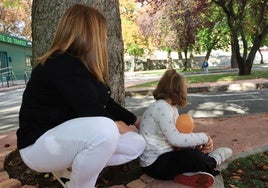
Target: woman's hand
point(123, 128)
point(208, 147)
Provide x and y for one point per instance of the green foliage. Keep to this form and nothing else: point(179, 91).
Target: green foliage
point(224, 77)
point(247, 172)
point(248, 24)
point(135, 50)
point(214, 33)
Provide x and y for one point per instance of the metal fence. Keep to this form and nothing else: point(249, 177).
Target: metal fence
point(7, 76)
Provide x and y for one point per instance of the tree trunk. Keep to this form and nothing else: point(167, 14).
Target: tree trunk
point(45, 16)
point(261, 62)
point(245, 69)
point(169, 59)
point(208, 54)
point(234, 55)
point(180, 55)
point(185, 61)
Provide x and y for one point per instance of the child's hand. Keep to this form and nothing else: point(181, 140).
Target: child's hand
point(200, 147)
point(208, 147)
point(123, 128)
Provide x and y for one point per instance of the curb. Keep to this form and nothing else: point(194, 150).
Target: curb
point(219, 182)
point(243, 85)
point(3, 89)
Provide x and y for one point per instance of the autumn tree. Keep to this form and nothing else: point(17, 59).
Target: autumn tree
point(45, 16)
point(174, 24)
point(134, 42)
point(248, 23)
point(15, 18)
point(184, 19)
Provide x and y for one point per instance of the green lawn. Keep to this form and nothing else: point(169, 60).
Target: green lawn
point(247, 172)
point(197, 78)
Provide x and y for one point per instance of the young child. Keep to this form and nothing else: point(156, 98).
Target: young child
point(170, 154)
point(205, 65)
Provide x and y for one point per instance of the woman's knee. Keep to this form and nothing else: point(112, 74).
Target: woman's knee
point(133, 142)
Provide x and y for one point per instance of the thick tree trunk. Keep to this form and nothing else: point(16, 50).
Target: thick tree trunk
point(235, 56)
point(245, 69)
point(45, 16)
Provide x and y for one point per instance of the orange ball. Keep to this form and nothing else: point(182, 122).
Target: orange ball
point(185, 123)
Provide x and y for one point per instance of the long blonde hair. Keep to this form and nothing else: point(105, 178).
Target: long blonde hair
point(82, 32)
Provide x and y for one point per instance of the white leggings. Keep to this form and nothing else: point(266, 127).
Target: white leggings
point(87, 145)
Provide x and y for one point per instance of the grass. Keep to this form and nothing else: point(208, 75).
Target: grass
point(221, 77)
point(232, 76)
point(247, 172)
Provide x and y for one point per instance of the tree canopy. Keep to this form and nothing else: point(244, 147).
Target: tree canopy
point(247, 23)
point(15, 18)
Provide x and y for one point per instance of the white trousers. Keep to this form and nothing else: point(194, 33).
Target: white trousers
point(87, 145)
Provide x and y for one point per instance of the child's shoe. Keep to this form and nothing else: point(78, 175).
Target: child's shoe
point(221, 154)
point(195, 179)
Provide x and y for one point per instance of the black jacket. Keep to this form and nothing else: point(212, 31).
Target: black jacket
point(60, 90)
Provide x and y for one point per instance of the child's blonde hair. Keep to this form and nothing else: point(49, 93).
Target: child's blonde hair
point(172, 86)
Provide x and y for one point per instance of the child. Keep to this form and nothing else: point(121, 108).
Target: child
point(205, 65)
point(169, 154)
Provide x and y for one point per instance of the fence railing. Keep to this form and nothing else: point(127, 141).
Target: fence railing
point(27, 74)
point(7, 75)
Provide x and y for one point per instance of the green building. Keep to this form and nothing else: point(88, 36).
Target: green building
point(15, 57)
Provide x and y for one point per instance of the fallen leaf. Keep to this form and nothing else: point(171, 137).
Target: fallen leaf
point(236, 177)
point(232, 186)
point(265, 167)
point(240, 171)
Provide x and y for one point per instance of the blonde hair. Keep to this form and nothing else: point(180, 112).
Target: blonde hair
point(172, 86)
point(82, 33)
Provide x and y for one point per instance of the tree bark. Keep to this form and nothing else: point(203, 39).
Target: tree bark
point(208, 54)
point(261, 62)
point(45, 17)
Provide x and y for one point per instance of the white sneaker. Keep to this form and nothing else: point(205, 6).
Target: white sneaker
point(221, 154)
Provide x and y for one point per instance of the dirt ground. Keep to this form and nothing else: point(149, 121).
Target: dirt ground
point(240, 133)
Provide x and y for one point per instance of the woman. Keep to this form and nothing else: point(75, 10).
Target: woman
point(67, 117)
point(187, 158)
